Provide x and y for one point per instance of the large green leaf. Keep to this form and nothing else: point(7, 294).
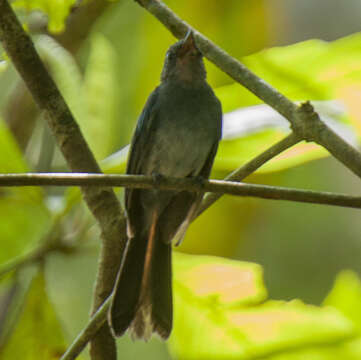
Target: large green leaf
point(65, 72)
point(220, 314)
point(38, 334)
point(24, 216)
point(56, 10)
point(219, 281)
point(23, 224)
point(346, 296)
point(99, 90)
point(309, 70)
point(313, 70)
point(92, 99)
point(12, 161)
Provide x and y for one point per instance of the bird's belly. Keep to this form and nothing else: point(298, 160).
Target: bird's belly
point(179, 152)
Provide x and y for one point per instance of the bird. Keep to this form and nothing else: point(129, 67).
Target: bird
point(177, 135)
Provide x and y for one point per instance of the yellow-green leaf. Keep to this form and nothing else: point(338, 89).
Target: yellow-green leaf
point(38, 334)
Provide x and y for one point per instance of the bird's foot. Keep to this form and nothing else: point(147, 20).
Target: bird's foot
point(199, 180)
point(157, 178)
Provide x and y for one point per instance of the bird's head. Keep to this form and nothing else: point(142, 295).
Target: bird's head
point(184, 62)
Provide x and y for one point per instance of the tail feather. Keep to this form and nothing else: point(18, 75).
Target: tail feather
point(162, 303)
point(143, 297)
point(128, 286)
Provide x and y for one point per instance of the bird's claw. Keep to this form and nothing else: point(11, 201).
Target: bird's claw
point(157, 178)
point(199, 180)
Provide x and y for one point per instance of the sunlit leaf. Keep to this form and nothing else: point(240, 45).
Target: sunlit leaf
point(346, 296)
point(215, 319)
point(312, 69)
point(11, 160)
point(56, 10)
point(116, 162)
point(219, 281)
point(350, 94)
point(38, 334)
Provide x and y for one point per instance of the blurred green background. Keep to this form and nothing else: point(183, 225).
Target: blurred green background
point(106, 62)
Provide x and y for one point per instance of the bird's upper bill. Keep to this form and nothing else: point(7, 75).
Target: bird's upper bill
point(189, 45)
point(184, 62)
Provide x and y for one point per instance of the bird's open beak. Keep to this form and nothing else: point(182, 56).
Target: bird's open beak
point(189, 44)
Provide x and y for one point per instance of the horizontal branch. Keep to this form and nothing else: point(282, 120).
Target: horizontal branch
point(180, 184)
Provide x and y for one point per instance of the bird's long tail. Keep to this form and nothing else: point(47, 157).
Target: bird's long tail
point(142, 301)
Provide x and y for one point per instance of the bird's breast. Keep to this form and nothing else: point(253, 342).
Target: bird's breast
point(184, 136)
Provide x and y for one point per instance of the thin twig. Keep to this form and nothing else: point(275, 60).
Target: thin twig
point(251, 167)
point(93, 326)
point(29, 258)
point(188, 184)
point(304, 121)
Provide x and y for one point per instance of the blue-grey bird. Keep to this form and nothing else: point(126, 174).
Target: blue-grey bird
point(177, 135)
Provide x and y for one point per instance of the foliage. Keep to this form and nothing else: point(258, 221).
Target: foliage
point(221, 305)
point(56, 10)
point(37, 333)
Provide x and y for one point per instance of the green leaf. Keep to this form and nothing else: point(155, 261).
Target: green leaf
point(309, 70)
point(24, 216)
point(218, 281)
point(116, 163)
point(349, 350)
point(99, 89)
point(92, 99)
point(3, 65)
point(12, 161)
point(23, 224)
point(56, 10)
point(219, 314)
point(346, 296)
point(38, 334)
point(65, 72)
point(327, 74)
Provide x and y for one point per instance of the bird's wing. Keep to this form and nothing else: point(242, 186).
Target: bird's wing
point(143, 134)
point(142, 138)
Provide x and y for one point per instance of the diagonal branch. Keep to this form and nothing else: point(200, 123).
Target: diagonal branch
point(251, 167)
point(36, 255)
point(95, 323)
point(304, 121)
point(101, 201)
